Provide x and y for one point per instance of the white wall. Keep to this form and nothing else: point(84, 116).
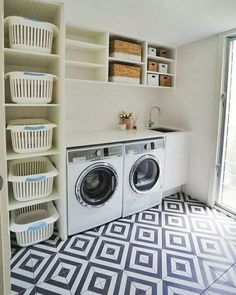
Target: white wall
point(188, 20)
point(94, 106)
point(194, 105)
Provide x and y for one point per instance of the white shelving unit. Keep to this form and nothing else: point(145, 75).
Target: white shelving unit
point(20, 60)
point(88, 59)
point(86, 54)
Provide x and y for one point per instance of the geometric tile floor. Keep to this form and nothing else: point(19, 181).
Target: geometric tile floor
point(180, 247)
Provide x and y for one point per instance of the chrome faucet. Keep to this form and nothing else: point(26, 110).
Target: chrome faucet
point(150, 121)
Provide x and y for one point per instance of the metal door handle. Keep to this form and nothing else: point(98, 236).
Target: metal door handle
point(1, 183)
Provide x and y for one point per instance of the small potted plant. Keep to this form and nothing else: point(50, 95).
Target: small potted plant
point(126, 118)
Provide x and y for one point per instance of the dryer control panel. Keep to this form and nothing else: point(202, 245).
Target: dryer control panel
point(145, 146)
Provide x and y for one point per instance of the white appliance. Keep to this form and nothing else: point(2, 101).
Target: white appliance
point(94, 180)
point(143, 175)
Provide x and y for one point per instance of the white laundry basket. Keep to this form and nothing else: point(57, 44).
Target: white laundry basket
point(30, 34)
point(33, 224)
point(31, 135)
point(31, 87)
point(31, 178)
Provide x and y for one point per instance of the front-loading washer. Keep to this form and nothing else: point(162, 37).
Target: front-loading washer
point(94, 186)
point(143, 175)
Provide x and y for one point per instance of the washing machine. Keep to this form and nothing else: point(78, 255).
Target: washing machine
point(143, 175)
point(94, 182)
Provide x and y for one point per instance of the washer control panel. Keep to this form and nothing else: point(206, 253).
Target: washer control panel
point(94, 153)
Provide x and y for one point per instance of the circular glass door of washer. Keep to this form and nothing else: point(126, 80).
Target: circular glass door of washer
point(96, 185)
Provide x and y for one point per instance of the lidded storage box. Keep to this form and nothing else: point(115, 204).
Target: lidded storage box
point(163, 68)
point(152, 51)
point(34, 224)
point(31, 87)
point(125, 50)
point(153, 79)
point(124, 73)
point(31, 135)
point(30, 34)
point(31, 178)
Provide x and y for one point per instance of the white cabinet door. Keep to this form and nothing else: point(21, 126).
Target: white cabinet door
point(176, 164)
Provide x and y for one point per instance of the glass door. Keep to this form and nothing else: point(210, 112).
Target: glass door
point(227, 161)
point(144, 174)
point(96, 185)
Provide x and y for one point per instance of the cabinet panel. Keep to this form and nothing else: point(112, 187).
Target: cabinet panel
point(176, 164)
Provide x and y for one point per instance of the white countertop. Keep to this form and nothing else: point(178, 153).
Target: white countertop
point(97, 137)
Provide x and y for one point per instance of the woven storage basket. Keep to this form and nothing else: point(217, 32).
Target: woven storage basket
point(34, 224)
point(30, 34)
point(126, 50)
point(162, 53)
point(152, 66)
point(31, 178)
point(165, 80)
point(125, 71)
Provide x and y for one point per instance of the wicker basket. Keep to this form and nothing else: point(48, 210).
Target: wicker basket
point(125, 71)
point(126, 50)
point(162, 53)
point(152, 66)
point(165, 80)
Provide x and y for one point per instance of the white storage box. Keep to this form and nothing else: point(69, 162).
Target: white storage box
point(153, 79)
point(33, 224)
point(31, 87)
point(120, 79)
point(163, 68)
point(152, 51)
point(30, 34)
point(31, 135)
point(31, 178)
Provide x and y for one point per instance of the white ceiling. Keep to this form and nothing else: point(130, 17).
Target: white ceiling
point(174, 22)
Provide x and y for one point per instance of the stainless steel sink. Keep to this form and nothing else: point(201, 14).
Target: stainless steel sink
point(164, 129)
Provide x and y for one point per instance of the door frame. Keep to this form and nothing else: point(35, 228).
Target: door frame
point(5, 248)
point(218, 119)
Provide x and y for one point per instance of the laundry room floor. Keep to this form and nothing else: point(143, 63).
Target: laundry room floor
point(179, 247)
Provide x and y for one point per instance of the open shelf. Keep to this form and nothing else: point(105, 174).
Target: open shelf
point(29, 58)
point(77, 44)
point(82, 64)
point(11, 155)
point(159, 58)
point(126, 61)
point(72, 80)
point(14, 204)
point(159, 73)
point(32, 105)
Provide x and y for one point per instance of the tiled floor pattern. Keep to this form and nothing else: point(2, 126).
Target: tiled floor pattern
point(179, 247)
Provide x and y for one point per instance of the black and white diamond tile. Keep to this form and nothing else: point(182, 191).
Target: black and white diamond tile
point(149, 217)
point(144, 260)
point(180, 247)
point(120, 230)
point(172, 206)
point(177, 241)
point(110, 252)
point(147, 235)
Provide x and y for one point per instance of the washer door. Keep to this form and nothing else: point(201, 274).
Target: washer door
point(144, 174)
point(96, 185)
